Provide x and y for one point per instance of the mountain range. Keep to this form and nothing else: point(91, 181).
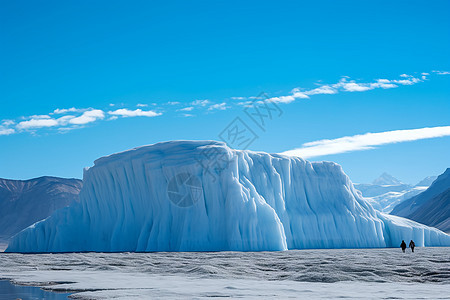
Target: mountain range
point(431, 207)
point(24, 202)
point(385, 192)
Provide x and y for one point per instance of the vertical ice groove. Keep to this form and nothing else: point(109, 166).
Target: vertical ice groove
point(255, 202)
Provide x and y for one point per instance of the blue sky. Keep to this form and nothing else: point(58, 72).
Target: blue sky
point(127, 71)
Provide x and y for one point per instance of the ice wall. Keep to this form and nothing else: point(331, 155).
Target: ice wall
point(204, 196)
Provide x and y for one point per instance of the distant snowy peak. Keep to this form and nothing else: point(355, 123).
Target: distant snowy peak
point(427, 181)
point(386, 179)
point(387, 192)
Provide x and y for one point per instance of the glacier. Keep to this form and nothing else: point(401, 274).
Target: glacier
point(205, 196)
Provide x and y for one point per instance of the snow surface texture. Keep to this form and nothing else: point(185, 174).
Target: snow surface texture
point(204, 196)
point(306, 274)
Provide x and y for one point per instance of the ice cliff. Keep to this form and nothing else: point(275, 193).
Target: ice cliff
point(204, 196)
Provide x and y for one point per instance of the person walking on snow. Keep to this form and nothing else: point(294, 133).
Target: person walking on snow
point(412, 245)
point(403, 245)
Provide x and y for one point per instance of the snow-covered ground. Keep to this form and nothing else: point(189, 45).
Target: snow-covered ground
point(316, 274)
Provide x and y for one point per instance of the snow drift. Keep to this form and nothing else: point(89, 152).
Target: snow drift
point(204, 196)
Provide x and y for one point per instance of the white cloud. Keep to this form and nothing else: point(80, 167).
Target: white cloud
point(200, 102)
point(282, 99)
point(64, 120)
point(6, 131)
point(218, 106)
point(37, 123)
point(8, 122)
point(68, 129)
point(352, 86)
point(66, 110)
point(188, 115)
point(355, 87)
point(79, 116)
point(88, 117)
point(324, 89)
point(345, 85)
point(39, 117)
point(43, 121)
point(67, 122)
point(366, 141)
point(123, 112)
point(296, 94)
point(409, 81)
point(442, 72)
point(246, 103)
point(300, 95)
point(189, 108)
point(383, 83)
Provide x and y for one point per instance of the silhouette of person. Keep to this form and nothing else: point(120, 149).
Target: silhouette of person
point(403, 245)
point(412, 245)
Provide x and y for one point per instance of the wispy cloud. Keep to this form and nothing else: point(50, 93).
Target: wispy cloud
point(218, 106)
point(324, 89)
point(345, 84)
point(441, 72)
point(6, 131)
point(8, 122)
point(123, 112)
point(189, 108)
point(66, 110)
point(69, 119)
point(201, 102)
point(41, 121)
point(65, 119)
point(295, 94)
point(88, 117)
point(245, 103)
point(366, 141)
point(37, 123)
